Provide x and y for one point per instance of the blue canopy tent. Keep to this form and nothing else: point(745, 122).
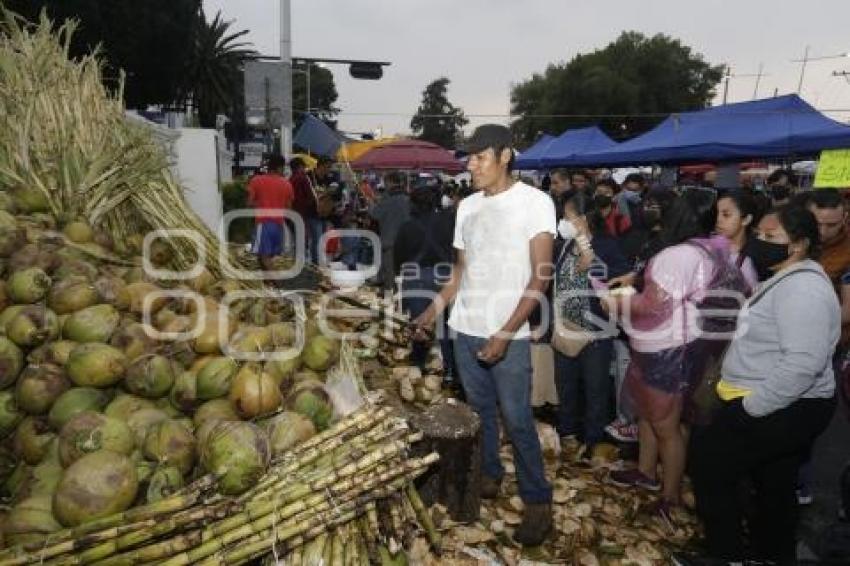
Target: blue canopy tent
point(315, 137)
point(567, 148)
point(530, 158)
point(778, 127)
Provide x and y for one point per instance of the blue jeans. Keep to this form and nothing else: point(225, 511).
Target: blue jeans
point(504, 387)
point(423, 289)
point(315, 227)
point(591, 368)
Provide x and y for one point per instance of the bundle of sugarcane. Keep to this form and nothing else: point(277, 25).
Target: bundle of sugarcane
point(67, 148)
point(346, 492)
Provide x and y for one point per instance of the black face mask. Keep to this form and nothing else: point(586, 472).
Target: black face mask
point(766, 255)
point(602, 201)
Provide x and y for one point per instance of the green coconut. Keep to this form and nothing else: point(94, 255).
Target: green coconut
point(13, 485)
point(10, 413)
point(30, 521)
point(56, 353)
point(133, 340)
point(72, 294)
point(140, 421)
point(28, 286)
point(320, 352)
point(237, 452)
point(283, 370)
point(184, 393)
point(30, 199)
point(39, 386)
point(79, 232)
point(74, 401)
point(89, 432)
point(46, 474)
point(8, 314)
point(97, 485)
point(11, 362)
point(8, 463)
point(125, 405)
point(165, 405)
point(109, 288)
point(215, 410)
point(287, 430)
point(32, 439)
point(70, 267)
point(96, 365)
point(151, 376)
point(310, 399)
point(164, 482)
point(11, 239)
point(215, 378)
point(171, 443)
point(92, 324)
point(32, 255)
point(33, 326)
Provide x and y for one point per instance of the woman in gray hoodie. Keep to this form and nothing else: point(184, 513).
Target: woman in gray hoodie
point(777, 392)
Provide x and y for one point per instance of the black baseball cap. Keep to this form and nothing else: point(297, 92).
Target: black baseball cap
point(487, 136)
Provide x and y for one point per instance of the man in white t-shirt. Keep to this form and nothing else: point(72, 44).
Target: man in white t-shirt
point(503, 240)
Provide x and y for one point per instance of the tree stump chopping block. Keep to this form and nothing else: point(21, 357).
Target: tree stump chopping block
point(453, 430)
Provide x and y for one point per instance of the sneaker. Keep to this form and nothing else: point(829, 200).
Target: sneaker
point(633, 478)
point(622, 431)
point(804, 496)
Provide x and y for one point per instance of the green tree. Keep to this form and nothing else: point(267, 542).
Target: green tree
point(149, 40)
point(437, 120)
point(323, 94)
point(214, 80)
point(625, 88)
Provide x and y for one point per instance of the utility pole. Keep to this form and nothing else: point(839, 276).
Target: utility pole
point(758, 81)
point(726, 85)
point(803, 69)
point(286, 60)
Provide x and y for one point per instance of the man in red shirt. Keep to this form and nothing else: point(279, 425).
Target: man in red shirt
point(269, 194)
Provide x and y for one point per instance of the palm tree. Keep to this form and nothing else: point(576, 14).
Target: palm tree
point(214, 74)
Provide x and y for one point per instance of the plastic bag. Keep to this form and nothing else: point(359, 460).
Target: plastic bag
point(344, 383)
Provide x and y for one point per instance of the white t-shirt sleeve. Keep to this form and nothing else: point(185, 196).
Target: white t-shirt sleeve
point(541, 215)
point(461, 215)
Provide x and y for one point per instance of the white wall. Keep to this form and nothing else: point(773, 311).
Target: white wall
point(199, 169)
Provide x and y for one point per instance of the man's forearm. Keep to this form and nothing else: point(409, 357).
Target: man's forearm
point(526, 305)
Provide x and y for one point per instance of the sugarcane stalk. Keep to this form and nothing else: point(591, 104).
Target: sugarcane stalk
point(231, 530)
point(154, 552)
point(119, 521)
point(284, 480)
point(369, 460)
point(50, 550)
point(365, 491)
point(423, 516)
point(172, 524)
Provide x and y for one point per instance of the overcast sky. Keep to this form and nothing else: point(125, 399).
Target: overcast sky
point(485, 45)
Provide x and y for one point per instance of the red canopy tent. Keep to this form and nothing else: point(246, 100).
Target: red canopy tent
point(408, 155)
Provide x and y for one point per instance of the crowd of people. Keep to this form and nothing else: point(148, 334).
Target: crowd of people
point(706, 324)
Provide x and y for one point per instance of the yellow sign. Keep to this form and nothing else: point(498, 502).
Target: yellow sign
point(833, 169)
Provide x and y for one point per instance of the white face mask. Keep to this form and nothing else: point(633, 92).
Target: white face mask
point(567, 229)
point(446, 201)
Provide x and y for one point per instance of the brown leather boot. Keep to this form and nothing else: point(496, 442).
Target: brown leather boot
point(490, 487)
point(536, 524)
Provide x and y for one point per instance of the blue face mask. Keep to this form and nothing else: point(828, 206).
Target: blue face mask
point(631, 196)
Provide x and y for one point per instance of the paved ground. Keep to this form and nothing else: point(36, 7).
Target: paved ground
point(831, 454)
